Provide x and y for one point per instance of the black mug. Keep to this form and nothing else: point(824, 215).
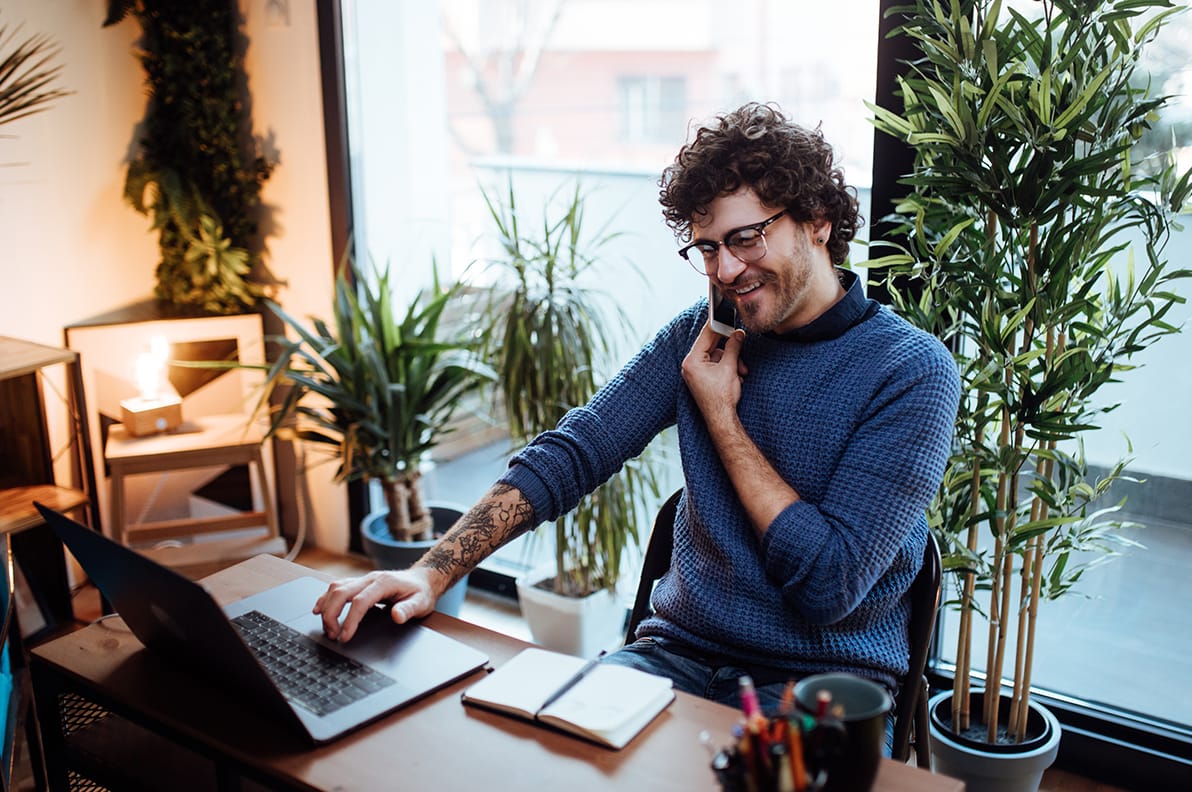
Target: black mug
point(862, 706)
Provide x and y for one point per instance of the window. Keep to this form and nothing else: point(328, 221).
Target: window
point(651, 108)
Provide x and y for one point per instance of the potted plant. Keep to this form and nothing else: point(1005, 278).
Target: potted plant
point(376, 389)
point(543, 334)
point(1034, 247)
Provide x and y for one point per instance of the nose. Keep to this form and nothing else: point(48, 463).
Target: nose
point(728, 266)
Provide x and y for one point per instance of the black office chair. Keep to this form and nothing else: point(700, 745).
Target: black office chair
point(655, 563)
point(910, 705)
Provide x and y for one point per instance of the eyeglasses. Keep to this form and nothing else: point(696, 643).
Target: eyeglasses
point(747, 244)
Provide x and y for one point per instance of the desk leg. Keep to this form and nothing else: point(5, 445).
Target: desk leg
point(116, 499)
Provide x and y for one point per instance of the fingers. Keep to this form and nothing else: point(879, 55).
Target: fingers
point(734, 342)
point(707, 341)
point(408, 609)
point(410, 593)
point(357, 595)
point(731, 354)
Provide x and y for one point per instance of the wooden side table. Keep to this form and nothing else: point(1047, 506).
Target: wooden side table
point(210, 441)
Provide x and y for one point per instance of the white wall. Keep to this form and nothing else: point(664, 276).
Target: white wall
point(71, 248)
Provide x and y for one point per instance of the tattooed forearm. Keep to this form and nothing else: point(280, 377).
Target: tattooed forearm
point(500, 516)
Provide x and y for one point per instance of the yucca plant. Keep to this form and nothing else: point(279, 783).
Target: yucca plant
point(375, 388)
point(549, 336)
point(1037, 248)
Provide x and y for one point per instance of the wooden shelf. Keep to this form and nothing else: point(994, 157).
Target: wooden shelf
point(18, 357)
point(16, 504)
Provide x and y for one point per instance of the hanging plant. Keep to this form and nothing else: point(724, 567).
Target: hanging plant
point(197, 173)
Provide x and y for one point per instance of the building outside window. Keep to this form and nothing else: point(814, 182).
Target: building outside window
point(651, 108)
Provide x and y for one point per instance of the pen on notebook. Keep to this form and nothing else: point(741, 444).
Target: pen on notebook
point(570, 683)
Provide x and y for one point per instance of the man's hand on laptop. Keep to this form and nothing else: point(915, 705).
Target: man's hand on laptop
point(409, 591)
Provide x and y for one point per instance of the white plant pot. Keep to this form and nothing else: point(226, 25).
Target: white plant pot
point(983, 770)
point(575, 626)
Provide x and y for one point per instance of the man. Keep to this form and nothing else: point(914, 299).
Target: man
point(811, 440)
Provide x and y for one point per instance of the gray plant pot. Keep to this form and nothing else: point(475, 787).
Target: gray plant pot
point(388, 553)
point(993, 768)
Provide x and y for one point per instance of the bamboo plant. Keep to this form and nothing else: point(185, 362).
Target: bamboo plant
point(549, 336)
point(376, 389)
point(1034, 246)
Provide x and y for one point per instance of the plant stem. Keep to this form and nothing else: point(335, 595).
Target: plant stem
point(960, 697)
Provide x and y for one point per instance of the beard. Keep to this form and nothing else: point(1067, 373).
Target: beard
point(786, 289)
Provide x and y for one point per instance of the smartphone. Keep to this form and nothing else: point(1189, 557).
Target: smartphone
point(722, 316)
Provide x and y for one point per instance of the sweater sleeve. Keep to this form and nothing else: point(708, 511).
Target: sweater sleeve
point(828, 555)
point(592, 442)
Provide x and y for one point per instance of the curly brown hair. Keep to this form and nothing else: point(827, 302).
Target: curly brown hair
point(787, 166)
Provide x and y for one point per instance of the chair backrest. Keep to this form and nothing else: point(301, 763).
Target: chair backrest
point(910, 705)
point(656, 561)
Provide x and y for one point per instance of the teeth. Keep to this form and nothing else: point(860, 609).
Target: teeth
point(747, 289)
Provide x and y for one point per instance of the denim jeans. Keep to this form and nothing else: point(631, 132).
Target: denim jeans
point(707, 678)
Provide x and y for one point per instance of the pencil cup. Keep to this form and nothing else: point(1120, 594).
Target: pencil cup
point(861, 706)
point(785, 754)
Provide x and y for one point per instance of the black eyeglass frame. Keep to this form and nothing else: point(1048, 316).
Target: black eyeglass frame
point(703, 244)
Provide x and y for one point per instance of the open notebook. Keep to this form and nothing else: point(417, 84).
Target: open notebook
point(610, 704)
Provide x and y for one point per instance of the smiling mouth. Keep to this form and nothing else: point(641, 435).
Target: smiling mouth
point(743, 290)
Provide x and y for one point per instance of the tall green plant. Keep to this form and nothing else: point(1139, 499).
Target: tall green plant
point(549, 339)
point(197, 172)
point(1036, 246)
point(376, 388)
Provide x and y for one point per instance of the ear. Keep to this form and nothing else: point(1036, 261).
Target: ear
point(821, 230)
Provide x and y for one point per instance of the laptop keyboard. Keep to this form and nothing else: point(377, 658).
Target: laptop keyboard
point(308, 673)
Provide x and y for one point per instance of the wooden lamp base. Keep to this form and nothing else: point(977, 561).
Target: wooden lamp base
point(142, 416)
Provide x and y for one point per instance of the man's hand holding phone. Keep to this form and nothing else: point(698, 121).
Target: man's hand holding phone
point(713, 371)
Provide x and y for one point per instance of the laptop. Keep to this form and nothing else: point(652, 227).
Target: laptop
point(325, 691)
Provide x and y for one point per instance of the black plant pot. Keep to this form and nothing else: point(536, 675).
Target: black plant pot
point(1003, 766)
point(388, 553)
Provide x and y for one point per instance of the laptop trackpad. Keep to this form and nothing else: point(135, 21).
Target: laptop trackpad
point(410, 653)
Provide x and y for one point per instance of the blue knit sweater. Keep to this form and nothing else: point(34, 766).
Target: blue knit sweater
point(859, 423)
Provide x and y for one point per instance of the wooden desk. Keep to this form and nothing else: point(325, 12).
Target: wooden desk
point(435, 743)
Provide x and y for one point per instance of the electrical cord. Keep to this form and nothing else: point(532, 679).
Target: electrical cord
point(304, 504)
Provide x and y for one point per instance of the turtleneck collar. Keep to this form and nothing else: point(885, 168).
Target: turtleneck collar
point(850, 310)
